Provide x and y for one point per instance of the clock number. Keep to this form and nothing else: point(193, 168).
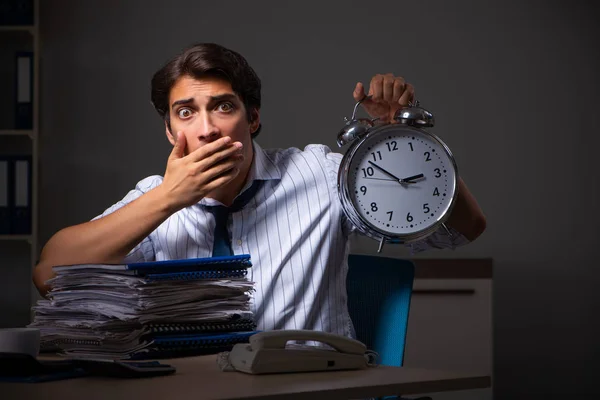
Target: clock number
point(374, 207)
point(427, 156)
point(426, 208)
point(409, 217)
point(436, 192)
point(363, 189)
point(411, 146)
point(368, 171)
point(392, 146)
point(375, 157)
point(438, 173)
point(391, 213)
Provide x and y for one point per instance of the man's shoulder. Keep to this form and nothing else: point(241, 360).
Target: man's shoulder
point(317, 152)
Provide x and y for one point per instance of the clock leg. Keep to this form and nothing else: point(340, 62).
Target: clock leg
point(380, 244)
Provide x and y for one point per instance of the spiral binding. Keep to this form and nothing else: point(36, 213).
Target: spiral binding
point(225, 326)
point(144, 268)
point(201, 342)
point(67, 341)
point(197, 275)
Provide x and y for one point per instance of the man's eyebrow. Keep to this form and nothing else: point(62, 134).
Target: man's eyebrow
point(225, 96)
point(213, 99)
point(183, 101)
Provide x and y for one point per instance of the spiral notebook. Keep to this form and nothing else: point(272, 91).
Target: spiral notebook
point(190, 267)
point(178, 329)
point(166, 340)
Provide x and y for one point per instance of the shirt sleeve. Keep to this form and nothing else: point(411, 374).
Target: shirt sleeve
point(440, 239)
point(143, 251)
point(332, 167)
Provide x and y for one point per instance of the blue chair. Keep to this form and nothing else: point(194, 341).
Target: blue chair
point(379, 292)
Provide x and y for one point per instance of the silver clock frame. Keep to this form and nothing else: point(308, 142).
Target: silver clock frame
point(400, 127)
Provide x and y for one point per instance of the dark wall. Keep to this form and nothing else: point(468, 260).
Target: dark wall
point(513, 85)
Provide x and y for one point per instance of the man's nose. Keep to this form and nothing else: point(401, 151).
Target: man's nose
point(208, 130)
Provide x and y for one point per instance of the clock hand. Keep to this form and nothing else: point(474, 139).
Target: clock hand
point(407, 180)
point(385, 172)
point(381, 179)
point(412, 178)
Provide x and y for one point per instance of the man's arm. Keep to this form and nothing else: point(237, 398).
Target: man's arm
point(466, 217)
point(105, 240)
point(108, 239)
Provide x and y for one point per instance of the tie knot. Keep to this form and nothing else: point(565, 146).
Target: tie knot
point(219, 210)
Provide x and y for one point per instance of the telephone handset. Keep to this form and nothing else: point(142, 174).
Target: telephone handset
point(267, 353)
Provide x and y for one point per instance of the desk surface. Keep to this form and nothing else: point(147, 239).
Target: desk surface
point(200, 378)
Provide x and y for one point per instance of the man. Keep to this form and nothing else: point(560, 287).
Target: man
point(290, 220)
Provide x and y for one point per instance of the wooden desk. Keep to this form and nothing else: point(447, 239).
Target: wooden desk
point(200, 378)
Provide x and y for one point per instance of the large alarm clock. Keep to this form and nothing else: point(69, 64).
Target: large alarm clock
point(397, 182)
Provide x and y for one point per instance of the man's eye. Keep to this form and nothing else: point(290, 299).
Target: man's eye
point(184, 113)
point(225, 107)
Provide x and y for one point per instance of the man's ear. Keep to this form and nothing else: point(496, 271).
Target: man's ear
point(170, 136)
point(255, 122)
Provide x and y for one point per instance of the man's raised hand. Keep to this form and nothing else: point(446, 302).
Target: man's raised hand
point(189, 178)
point(388, 93)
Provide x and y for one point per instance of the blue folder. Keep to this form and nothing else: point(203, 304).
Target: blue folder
point(184, 269)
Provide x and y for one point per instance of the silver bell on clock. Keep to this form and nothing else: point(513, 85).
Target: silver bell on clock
point(397, 182)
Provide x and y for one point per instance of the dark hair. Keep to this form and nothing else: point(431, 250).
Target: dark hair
point(207, 59)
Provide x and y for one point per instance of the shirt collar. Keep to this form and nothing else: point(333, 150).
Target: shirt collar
point(263, 167)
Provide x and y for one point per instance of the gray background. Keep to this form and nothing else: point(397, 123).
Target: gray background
point(513, 86)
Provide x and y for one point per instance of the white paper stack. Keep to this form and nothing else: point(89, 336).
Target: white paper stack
point(147, 310)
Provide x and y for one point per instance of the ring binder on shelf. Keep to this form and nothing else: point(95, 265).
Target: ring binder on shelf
point(21, 204)
point(5, 195)
point(24, 91)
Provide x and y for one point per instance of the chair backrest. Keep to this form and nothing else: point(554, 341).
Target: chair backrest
point(379, 291)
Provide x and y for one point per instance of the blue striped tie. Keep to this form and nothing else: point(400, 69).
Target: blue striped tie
point(222, 244)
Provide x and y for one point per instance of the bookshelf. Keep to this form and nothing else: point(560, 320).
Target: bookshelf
point(13, 28)
point(23, 132)
point(19, 251)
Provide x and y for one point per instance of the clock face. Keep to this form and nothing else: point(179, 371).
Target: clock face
point(401, 181)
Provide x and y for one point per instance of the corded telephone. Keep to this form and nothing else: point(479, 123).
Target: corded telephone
point(267, 353)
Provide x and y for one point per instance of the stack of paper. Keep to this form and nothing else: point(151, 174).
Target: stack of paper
point(147, 310)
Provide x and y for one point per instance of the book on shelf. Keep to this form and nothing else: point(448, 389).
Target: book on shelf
point(24, 90)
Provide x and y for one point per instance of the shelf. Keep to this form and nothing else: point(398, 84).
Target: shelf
point(17, 28)
point(16, 139)
point(16, 237)
point(17, 132)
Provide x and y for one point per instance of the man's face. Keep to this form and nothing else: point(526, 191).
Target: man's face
point(207, 109)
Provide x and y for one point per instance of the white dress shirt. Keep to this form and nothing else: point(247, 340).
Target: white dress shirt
point(294, 230)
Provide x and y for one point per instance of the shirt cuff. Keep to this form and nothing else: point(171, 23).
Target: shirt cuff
point(440, 239)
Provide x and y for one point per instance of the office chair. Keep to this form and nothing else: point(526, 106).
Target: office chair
point(379, 291)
